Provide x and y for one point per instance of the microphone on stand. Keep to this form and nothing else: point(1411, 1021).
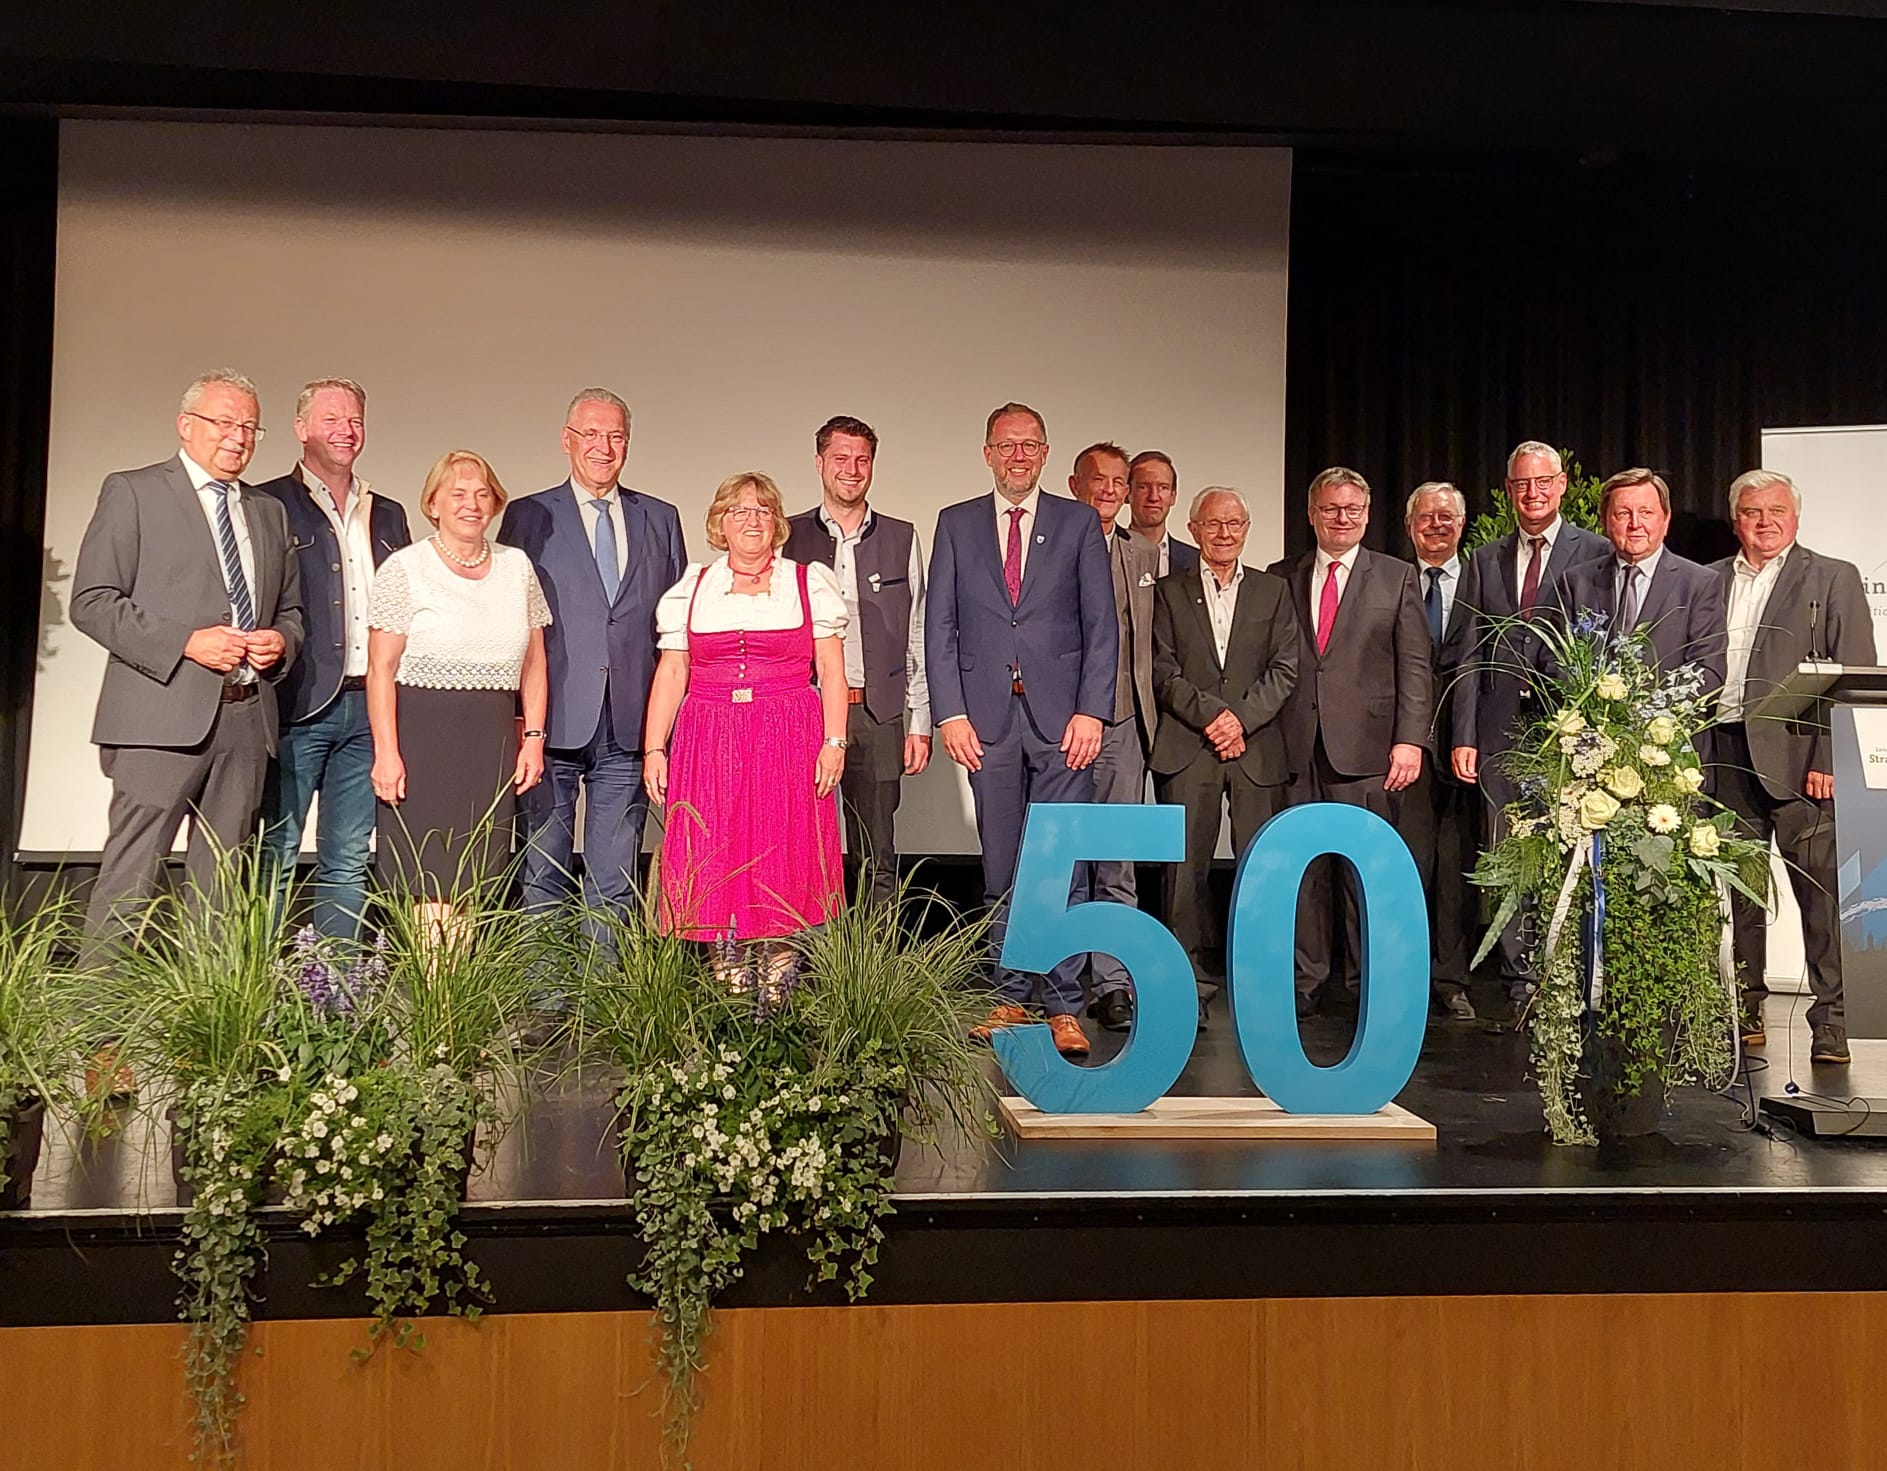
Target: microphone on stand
point(1814, 630)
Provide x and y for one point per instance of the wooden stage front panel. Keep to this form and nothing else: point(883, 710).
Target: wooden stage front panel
point(1348, 1384)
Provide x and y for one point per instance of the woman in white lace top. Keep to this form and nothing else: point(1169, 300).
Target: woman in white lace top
point(455, 646)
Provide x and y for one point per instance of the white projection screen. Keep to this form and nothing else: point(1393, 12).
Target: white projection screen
point(737, 291)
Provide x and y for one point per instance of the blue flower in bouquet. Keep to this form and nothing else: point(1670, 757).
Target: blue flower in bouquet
point(1589, 622)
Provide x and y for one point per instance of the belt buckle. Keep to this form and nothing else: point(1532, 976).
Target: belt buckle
point(742, 697)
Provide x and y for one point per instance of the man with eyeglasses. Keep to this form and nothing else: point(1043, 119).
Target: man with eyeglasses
point(879, 561)
point(604, 554)
point(186, 577)
point(1357, 720)
point(1120, 771)
point(1152, 490)
point(1512, 576)
point(1785, 604)
point(1440, 817)
point(342, 531)
point(1022, 643)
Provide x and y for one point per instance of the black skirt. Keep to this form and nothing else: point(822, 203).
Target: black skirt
point(453, 831)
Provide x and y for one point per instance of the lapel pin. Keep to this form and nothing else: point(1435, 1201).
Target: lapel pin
point(1040, 538)
point(1147, 579)
point(874, 580)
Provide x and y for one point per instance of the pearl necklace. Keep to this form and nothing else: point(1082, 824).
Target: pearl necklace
point(484, 552)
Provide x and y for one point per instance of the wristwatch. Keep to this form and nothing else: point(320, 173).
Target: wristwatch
point(837, 743)
point(536, 735)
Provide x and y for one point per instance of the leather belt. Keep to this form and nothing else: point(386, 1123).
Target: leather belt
point(854, 696)
point(235, 694)
point(351, 683)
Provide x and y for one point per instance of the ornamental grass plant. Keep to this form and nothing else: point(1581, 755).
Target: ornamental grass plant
point(1625, 866)
point(42, 1032)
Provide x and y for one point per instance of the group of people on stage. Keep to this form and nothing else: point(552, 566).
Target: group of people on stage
point(275, 642)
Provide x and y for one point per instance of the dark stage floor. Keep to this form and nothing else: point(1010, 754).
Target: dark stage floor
point(1707, 1203)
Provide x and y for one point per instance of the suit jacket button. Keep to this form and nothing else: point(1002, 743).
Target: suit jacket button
point(335, 568)
point(1013, 623)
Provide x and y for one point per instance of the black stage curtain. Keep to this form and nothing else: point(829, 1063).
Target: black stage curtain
point(1441, 312)
point(29, 184)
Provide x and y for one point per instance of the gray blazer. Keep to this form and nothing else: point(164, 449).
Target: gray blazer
point(149, 576)
point(1817, 609)
point(1138, 564)
point(1260, 670)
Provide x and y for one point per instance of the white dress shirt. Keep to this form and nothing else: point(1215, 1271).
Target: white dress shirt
point(353, 529)
point(611, 502)
point(1523, 554)
point(1221, 603)
point(1750, 588)
point(1450, 583)
point(1003, 507)
point(201, 480)
point(845, 564)
point(1346, 564)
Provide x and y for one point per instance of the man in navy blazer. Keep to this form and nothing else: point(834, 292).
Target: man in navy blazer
point(605, 554)
point(1645, 585)
point(1021, 638)
point(340, 531)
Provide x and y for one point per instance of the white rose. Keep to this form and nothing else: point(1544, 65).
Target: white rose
point(1663, 818)
point(1705, 840)
point(1624, 781)
point(1654, 755)
point(1568, 722)
point(1596, 809)
point(1689, 778)
point(1662, 730)
point(1610, 687)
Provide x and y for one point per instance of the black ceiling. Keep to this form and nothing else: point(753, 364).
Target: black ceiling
point(1789, 83)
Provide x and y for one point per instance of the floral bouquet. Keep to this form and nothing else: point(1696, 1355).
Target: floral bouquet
point(1625, 863)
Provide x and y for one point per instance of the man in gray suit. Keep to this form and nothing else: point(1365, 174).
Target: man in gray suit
point(1356, 722)
point(1785, 604)
point(1120, 771)
point(1225, 655)
point(186, 577)
point(1511, 576)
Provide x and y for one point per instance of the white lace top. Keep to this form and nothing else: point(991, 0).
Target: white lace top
point(461, 634)
point(719, 609)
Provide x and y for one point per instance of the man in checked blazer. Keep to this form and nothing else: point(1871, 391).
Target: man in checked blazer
point(1225, 657)
point(1357, 721)
point(1785, 604)
point(186, 577)
point(1022, 644)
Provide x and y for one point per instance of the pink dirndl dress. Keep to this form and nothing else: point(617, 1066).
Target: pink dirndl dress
point(750, 852)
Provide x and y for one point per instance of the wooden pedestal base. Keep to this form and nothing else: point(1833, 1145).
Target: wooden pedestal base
point(1216, 1118)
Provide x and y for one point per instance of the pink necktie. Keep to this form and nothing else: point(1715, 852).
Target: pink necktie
point(1327, 609)
point(1530, 584)
point(1012, 556)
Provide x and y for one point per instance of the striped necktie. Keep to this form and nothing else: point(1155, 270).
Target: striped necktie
point(242, 606)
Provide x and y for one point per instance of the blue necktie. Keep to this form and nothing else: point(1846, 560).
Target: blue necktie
point(606, 548)
point(1431, 604)
point(241, 606)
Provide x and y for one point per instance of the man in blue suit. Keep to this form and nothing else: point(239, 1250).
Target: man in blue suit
point(1022, 642)
point(340, 531)
point(605, 554)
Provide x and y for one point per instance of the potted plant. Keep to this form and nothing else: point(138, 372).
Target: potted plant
point(1626, 865)
point(775, 1104)
point(40, 1037)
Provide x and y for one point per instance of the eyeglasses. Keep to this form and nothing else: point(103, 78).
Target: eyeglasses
point(749, 513)
point(614, 438)
point(227, 427)
point(1758, 514)
point(1340, 514)
point(1538, 482)
point(1011, 449)
point(1438, 518)
point(1219, 528)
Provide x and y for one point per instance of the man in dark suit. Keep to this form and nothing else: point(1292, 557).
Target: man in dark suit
point(604, 554)
point(1225, 653)
point(1355, 725)
point(1440, 817)
point(880, 565)
point(185, 576)
point(1021, 641)
point(1644, 585)
point(1152, 489)
point(1120, 771)
point(341, 531)
point(1493, 689)
point(1785, 604)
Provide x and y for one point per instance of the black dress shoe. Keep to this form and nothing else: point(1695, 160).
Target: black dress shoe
point(1306, 1005)
point(1202, 1014)
point(1114, 1010)
point(1455, 1005)
point(1830, 1045)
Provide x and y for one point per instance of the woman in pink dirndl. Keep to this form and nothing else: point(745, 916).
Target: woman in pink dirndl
point(741, 748)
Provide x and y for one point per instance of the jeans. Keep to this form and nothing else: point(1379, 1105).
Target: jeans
point(330, 753)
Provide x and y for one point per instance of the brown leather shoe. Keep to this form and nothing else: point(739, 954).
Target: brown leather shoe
point(1000, 1017)
point(108, 1080)
point(1070, 1040)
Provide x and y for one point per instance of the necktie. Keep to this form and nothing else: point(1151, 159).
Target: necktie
point(1629, 598)
point(1530, 584)
point(1431, 604)
point(605, 541)
point(1327, 609)
point(1012, 556)
point(242, 607)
